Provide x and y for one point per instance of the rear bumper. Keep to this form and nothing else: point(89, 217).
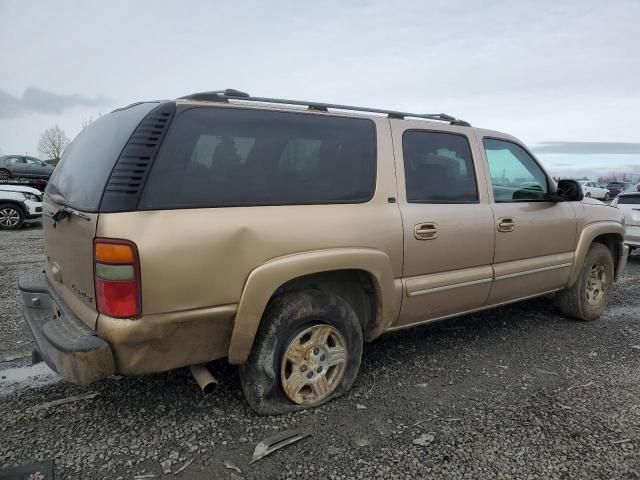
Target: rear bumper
point(632, 236)
point(63, 341)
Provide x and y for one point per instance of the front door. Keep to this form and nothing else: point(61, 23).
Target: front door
point(447, 222)
point(535, 237)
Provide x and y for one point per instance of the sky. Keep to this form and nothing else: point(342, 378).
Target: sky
point(564, 77)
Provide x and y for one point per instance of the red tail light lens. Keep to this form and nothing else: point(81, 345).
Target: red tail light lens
point(117, 278)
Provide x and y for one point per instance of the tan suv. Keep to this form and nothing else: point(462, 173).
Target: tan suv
point(281, 234)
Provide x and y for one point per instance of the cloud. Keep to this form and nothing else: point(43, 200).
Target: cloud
point(36, 100)
point(588, 148)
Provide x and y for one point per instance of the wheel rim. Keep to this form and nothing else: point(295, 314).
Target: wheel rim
point(4, 173)
point(596, 284)
point(9, 217)
point(313, 364)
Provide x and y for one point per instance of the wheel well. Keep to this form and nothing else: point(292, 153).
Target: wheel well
point(355, 286)
point(612, 241)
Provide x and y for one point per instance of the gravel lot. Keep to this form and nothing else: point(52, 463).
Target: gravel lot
point(517, 392)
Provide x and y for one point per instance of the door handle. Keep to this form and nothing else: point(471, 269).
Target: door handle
point(425, 231)
point(506, 225)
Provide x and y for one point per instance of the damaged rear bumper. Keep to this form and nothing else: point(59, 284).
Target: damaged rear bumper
point(63, 341)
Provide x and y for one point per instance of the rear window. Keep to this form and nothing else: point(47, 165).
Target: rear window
point(220, 157)
point(629, 199)
point(82, 173)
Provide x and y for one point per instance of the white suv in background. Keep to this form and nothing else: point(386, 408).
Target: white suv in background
point(629, 202)
point(18, 205)
point(594, 190)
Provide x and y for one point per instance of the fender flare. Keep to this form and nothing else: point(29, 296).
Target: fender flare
point(588, 234)
point(263, 282)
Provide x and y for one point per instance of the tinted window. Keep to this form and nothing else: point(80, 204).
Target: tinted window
point(438, 168)
point(515, 175)
point(629, 199)
point(214, 157)
point(85, 167)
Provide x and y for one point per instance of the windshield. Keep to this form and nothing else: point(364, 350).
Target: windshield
point(80, 177)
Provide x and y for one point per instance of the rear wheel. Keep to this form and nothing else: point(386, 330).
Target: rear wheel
point(4, 174)
point(11, 217)
point(307, 352)
point(589, 296)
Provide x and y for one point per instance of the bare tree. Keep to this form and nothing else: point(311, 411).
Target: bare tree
point(52, 144)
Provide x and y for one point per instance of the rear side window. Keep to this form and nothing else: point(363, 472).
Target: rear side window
point(81, 175)
point(438, 168)
point(219, 157)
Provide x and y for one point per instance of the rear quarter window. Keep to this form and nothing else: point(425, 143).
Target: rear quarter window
point(82, 174)
point(221, 157)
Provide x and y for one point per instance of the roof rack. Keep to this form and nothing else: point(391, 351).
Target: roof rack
point(231, 94)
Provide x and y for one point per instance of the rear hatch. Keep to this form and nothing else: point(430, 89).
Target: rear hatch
point(72, 204)
point(629, 203)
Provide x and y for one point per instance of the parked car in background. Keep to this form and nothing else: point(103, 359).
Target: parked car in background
point(617, 187)
point(594, 190)
point(18, 205)
point(23, 166)
point(629, 202)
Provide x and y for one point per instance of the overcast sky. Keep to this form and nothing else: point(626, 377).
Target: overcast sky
point(564, 73)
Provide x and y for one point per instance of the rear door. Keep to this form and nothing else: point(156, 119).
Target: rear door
point(535, 238)
point(447, 221)
point(18, 165)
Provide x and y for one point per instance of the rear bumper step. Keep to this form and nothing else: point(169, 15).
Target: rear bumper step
point(63, 341)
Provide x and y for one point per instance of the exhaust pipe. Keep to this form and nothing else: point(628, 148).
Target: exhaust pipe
point(204, 378)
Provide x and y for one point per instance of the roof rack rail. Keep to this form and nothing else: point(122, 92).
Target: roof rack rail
point(231, 94)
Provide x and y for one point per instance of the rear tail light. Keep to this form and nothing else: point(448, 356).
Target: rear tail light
point(117, 276)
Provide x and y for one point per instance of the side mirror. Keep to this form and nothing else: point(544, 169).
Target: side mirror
point(568, 191)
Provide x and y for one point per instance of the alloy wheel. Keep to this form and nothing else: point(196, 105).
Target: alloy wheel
point(9, 217)
point(313, 364)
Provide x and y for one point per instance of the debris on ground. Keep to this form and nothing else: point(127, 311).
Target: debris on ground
point(232, 466)
point(580, 386)
point(166, 466)
point(424, 440)
point(183, 467)
point(619, 442)
point(360, 406)
point(144, 476)
point(277, 441)
point(63, 401)
point(546, 372)
point(362, 442)
point(421, 385)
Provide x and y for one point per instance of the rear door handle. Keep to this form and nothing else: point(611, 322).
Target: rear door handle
point(506, 225)
point(425, 231)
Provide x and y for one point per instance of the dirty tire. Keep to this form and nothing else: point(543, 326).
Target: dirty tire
point(574, 302)
point(285, 318)
point(11, 217)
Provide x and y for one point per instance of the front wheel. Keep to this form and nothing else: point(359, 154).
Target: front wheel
point(11, 217)
point(606, 196)
point(588, 195)
point(4, 174)
point(589, 296)
point(307, 352)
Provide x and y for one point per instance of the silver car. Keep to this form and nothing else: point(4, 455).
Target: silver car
point(629, 202)
point(23, 166)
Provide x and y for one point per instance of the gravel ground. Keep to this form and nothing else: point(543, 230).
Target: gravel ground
point(517, 392)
